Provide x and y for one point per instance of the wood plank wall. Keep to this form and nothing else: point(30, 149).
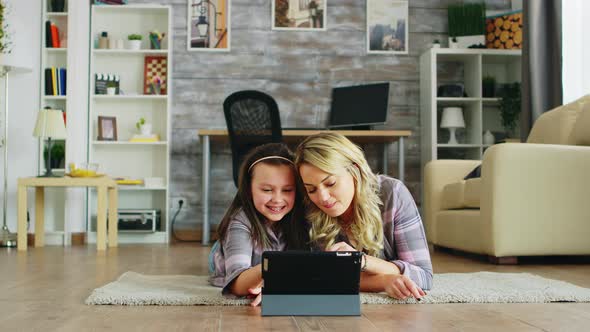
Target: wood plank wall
point(298, 69)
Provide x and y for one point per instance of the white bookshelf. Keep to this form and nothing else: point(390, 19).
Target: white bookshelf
point(122, 158)
point(55, 229)
point(480, 113)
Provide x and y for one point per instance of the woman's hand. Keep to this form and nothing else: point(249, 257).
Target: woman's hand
point(401, 287)
point(341, 246)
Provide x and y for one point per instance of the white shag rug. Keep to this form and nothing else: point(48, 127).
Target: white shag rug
point(479, 287)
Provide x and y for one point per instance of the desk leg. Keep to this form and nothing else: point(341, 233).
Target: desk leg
point(22, 218)
point(385, 157)
point(401, 159)
point(113, 208)
point(39, 216)
point(101, 218)
point(205, 190)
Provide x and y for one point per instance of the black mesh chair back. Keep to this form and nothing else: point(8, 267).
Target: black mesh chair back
point(252, 119)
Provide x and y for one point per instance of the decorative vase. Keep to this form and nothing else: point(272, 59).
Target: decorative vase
point(146, 129)
point(488, 138)
point(111, 91)
point(134, 45)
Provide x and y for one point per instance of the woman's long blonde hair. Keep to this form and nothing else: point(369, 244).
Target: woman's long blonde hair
point(331, 152)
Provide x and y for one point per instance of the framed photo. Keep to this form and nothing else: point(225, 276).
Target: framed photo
point(504, 31)
point(155, 75)
point(107, 128)
point(387, 27)
point(209, 26)
point(304, 15)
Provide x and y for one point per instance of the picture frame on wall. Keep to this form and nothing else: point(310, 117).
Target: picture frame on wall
point(387, 27)
point(303, 15)
point(155, 75)
point(107, 128)
point(209, 25)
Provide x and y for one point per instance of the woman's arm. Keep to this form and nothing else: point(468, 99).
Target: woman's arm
point(409, 239)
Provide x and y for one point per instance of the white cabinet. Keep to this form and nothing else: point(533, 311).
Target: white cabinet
point(467, 67)
point(121, 157)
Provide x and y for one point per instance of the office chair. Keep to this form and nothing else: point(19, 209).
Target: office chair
point(252, 119)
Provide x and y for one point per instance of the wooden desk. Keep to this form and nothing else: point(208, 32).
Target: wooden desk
point(385, 137)
point(103, 185)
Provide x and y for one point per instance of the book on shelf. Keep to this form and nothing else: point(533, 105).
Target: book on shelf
point(55, 81)
point(145, 138)
point(128, 181)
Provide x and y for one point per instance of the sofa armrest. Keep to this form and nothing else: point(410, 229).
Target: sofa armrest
point(534, 199)
point(437, 174)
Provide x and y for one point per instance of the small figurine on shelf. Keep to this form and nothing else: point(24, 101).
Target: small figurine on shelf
point(155, 85)
point(156, 39)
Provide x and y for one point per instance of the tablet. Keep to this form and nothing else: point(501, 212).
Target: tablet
point(311, 283)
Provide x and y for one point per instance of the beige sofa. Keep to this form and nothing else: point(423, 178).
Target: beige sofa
point(532, 198)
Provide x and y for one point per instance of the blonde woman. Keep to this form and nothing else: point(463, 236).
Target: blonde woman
point(352, 209)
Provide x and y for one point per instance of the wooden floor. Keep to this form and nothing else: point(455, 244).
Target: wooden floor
point(45, 288)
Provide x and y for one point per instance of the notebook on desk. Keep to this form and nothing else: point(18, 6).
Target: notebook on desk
point(300, 283)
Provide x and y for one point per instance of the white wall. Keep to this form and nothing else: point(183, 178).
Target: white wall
point(576, 49)
point(23, 97)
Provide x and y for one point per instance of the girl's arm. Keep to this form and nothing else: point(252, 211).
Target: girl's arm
point(248, 279)
point(240, 275)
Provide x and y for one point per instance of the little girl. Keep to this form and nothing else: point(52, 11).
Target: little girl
point(266, 214)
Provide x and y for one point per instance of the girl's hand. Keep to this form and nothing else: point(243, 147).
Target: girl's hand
point(401, 287)
point(341, 246)
point(257, 293)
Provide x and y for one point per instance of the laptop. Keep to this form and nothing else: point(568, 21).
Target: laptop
point(302, 283)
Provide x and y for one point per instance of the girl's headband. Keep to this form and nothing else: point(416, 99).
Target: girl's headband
point(269, 157)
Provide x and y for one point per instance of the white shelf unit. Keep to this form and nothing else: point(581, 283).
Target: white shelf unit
point(55, 233)
point(468, 67)
point(52, 57)
point(122, 158)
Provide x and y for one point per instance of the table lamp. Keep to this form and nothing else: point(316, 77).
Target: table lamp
point(452, 118)
point(50, 124)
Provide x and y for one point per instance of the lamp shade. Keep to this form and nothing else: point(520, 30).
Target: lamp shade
point(50, 123)
point(452, 117)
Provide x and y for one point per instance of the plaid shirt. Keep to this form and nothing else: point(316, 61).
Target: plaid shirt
point(236, 253)
point(405, 242)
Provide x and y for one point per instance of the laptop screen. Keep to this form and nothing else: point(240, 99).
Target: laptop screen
point(303, 272)
point(359, 105)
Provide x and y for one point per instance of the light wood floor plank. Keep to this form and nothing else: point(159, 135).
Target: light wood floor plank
point(44, 289)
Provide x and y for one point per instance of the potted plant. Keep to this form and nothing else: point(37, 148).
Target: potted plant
point(58, 153)
point(436, 43)
point(510, 107)
point(488, 86)
point(134, 41)
point(111, 88)
point(144, 127)
point(453, 43)
point(467, 23)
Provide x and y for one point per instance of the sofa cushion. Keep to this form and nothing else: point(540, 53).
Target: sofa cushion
point(581, 132)
point(475, 173)
point(452, 196)
point(472, 193)
point(464, 194)
point(556, 126)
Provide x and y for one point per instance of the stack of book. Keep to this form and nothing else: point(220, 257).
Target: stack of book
point(145, 138)
point(51, 35)
point(55, 81)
